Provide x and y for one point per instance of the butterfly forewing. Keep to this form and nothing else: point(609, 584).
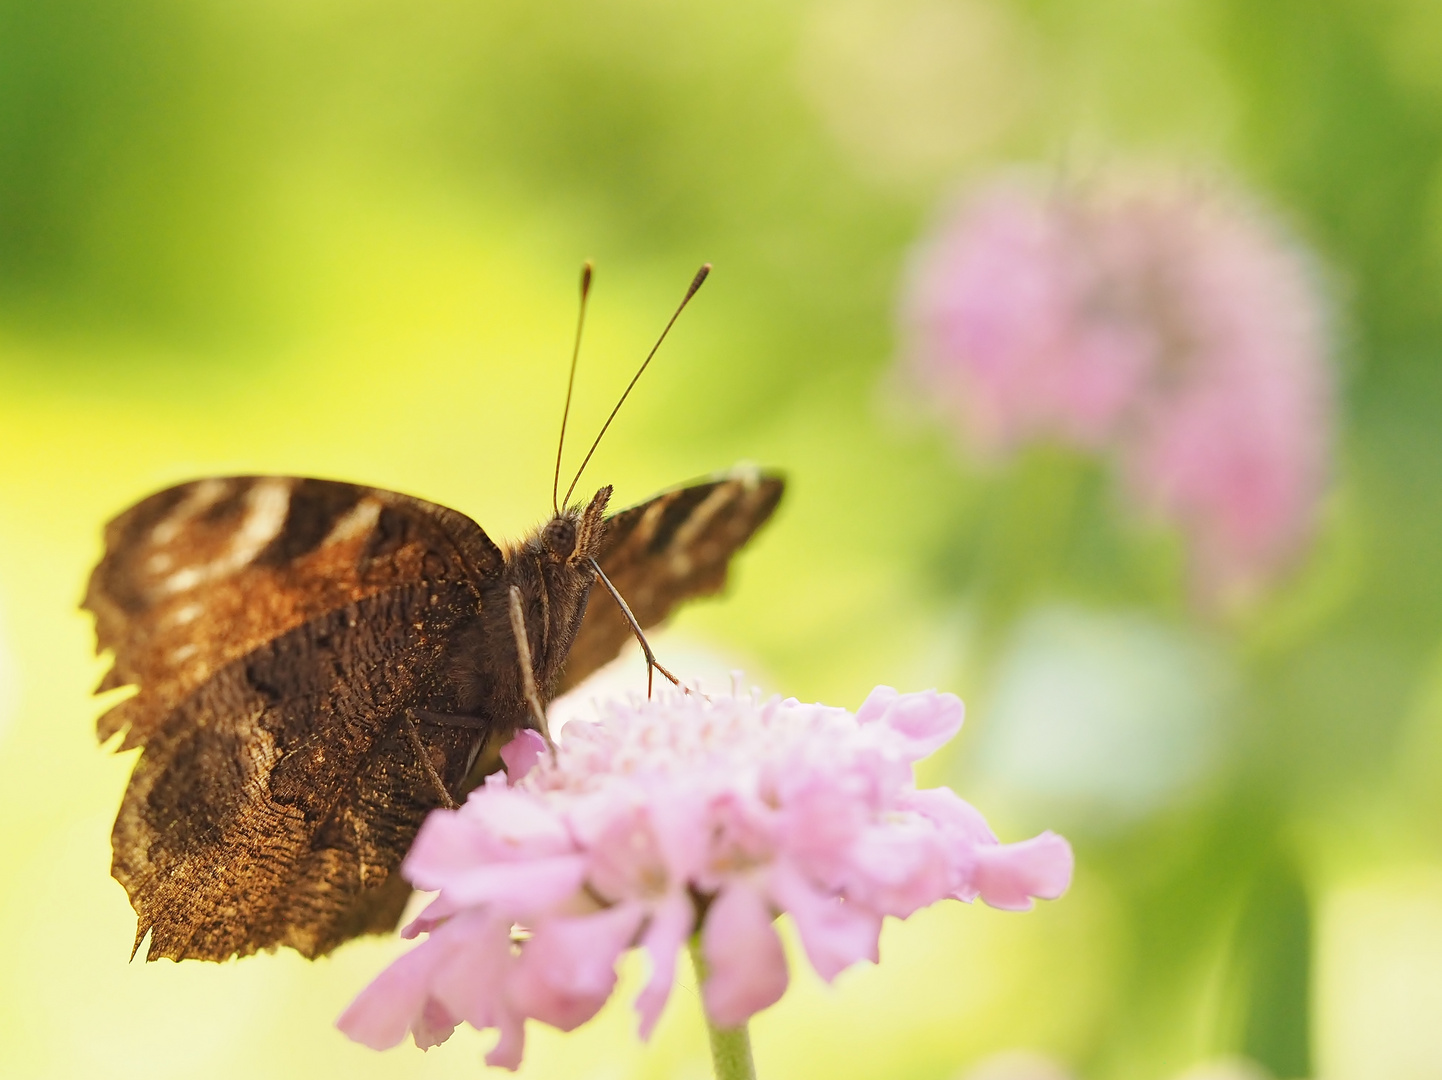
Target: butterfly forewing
point(671, 548)
point(200, 574)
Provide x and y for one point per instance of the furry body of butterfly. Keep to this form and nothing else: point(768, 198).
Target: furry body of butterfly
point(281, 631)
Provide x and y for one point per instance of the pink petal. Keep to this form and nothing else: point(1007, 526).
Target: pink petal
point(1008, 875)
point(740, 830)
point(748, 967)
point(822, 814)
point(521, 753)
point(520, 888)
point(506, 1054)
point(876, 704)
point(670, 926)
point(678, 818)
point(591, 815)
point(568, 968)
point(834, 932)
point(436, 912)
point(434, 1025)
point(922, 723)
point(900, 867)
point(471, 983)
point(383, 1012)
point(638, 850)
point(513, 820)
point(414, 992)
point(495, 825)
point(959, 821)
point(962, 829)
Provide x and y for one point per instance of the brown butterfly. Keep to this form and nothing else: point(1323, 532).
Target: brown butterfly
point(321, 664)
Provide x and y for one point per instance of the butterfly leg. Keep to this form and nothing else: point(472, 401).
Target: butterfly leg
point(528, 675)
point(413, 733)
point(651, 661)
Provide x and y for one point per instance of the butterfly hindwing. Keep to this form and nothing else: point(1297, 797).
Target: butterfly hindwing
point(275, 803)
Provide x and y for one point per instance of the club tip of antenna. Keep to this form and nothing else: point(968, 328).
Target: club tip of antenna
point(698, 280)
point(588, 268)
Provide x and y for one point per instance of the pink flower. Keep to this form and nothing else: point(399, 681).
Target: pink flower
point(1176, 330)
point(683, 816)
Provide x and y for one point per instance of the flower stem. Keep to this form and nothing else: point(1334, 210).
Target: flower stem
point(730, 1047)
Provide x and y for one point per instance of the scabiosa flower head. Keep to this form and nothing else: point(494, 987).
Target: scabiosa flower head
point(679, 816)
point(1172, 328)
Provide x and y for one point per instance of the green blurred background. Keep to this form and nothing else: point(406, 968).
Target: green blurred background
point(342, 240)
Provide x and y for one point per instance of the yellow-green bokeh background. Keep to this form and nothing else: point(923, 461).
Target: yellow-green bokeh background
point(341, 239)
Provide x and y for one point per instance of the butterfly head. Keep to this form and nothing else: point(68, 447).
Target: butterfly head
point(574, 535)
point(553, 571)
point(558, 538)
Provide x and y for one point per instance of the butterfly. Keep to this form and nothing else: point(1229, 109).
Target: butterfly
point(321, 664)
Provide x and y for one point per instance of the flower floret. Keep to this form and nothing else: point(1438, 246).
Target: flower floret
point(685, 816)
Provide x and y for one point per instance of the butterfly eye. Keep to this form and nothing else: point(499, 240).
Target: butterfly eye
point(559, 537)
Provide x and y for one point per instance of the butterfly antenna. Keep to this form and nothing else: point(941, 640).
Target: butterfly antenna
point(586, 271)
point(696, 283)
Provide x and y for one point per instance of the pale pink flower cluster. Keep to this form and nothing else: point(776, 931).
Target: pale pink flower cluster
point(1174, 328)
point(679, 816)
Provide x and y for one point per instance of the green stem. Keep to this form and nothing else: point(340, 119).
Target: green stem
point(730, 1047)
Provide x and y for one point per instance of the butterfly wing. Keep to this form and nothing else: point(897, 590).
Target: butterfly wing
point(278, 629)
point(670, 548)
point(200, 574)
point(275, 803)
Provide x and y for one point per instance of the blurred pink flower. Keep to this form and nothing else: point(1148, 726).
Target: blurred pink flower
point(680, 816)
point(1175, 329)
